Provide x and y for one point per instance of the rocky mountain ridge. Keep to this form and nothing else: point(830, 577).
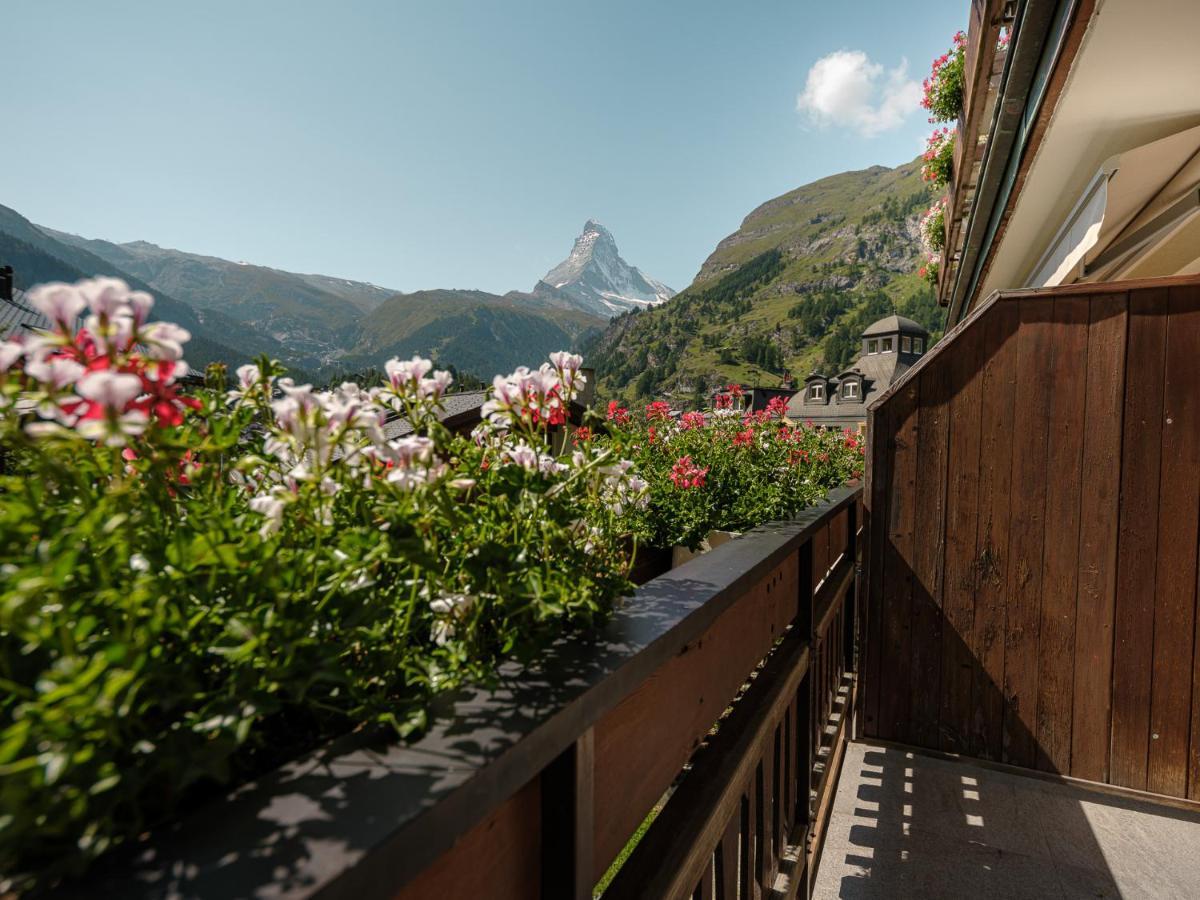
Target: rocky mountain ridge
point(598, 280)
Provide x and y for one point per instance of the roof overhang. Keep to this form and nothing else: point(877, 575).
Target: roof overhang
point(1138, 201)
point(1132, 83)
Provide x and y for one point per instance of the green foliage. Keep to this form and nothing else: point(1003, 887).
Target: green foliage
point(921, 305)
point(944, 87)
point(762, 351)
point(817, 312)
point(160, 636)
point(724, 472)
point(795, 277)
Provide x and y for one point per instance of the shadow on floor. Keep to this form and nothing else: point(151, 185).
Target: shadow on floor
point(909, 825)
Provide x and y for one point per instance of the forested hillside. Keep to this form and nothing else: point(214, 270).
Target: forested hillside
point(787, 294)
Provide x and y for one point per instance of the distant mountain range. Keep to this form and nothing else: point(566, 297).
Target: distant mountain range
point(787, 294)
point(320, 325)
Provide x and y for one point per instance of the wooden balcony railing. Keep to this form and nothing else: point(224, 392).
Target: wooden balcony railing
point(716, 694)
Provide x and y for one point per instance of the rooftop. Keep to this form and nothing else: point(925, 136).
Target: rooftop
point(455, 409)
point(894, 324)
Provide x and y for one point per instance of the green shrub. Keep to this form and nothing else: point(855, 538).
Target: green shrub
point(944, 87)
point(193, 589)
point(725, 470)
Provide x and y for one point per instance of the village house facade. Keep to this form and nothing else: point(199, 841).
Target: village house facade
point(890, 347)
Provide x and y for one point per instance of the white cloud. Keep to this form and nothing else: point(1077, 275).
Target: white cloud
point(847, 89)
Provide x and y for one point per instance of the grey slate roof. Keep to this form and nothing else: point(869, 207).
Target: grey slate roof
point(455, 405)
point(18, 317)
point(878, 371)
point(894, 324)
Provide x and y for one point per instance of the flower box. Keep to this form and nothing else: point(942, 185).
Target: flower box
point(681, 555)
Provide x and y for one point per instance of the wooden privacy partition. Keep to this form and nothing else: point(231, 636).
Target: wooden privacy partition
point(1033, 494)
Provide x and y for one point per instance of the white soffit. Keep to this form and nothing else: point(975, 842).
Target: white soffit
point(1132, 204)
point(1135, 80)
point(1177, 254)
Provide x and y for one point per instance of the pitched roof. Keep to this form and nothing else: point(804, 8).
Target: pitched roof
point(453, 406)
point(18, 317)
point(878, 372)
point(893, 324)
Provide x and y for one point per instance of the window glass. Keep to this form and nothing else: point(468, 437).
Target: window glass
point(850, 391)
point(817, 391)
point(887, 345)
point(906, 345)
point(918, 345)
point(872, 346)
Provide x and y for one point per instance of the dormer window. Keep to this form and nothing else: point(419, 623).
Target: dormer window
point(906, 344)
point(850, 390)
point(886, 345)
point(816, 392)
point(872, 347)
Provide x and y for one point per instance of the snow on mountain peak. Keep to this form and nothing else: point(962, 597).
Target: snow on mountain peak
point(598, 280)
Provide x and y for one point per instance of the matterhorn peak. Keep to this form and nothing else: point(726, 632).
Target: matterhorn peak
point(598, 280)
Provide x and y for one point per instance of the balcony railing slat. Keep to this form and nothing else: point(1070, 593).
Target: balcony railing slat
point(671, 856)
point(757, 746)
point(568, 814)
point(727, 856)
point(644, 742)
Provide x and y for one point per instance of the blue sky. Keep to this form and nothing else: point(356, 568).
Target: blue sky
point(448, 143)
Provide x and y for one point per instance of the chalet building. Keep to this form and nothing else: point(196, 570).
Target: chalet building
point(17, 316)
point(752, 399)
point(889, 348)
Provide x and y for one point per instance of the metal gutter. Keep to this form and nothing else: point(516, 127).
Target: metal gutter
point(1039, 34)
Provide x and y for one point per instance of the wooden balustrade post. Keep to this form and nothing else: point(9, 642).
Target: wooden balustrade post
point(850, 628)
point(804, 600)
point(568, 804)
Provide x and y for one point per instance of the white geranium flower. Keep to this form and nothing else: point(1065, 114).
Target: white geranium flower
point(58, 302)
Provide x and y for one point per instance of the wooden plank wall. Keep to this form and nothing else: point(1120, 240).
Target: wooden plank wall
point(1035, 508)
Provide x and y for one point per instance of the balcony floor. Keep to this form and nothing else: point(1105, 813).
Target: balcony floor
point(909, 825)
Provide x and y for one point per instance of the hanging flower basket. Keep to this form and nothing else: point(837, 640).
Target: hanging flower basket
point(933, 227)
point(939, 157)
point(944, 86)
point(930, 268)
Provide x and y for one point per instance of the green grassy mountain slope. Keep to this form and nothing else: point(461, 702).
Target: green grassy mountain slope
point(472, 330)
point(786, 294)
